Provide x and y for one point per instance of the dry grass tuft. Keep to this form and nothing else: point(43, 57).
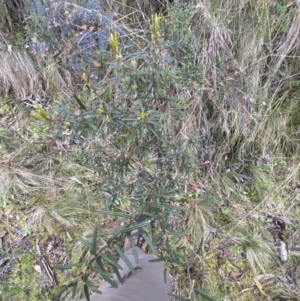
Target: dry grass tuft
point(199, 221)
point(18, 73)
point(258, 251)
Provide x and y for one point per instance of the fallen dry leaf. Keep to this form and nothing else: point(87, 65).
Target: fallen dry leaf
point(259, 286)
point(237, 275)
point(269, 282)
point(193, 184)
point(38, 269)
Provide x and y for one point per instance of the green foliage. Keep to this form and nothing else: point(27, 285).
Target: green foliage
point(140, 161)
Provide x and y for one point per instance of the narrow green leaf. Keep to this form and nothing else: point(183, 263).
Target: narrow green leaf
point(110, 281)
point(150, 215)
point(157, 135)
point(115, 265)
point(167, 206)
point(121, 230)
point(199, 250)
point(99, 262)
point(111, 261)
point(106, 276)
point(68, 266)
point(115, 213)
point(149, 242)
point(165, 275)
point(178, 234)
point(99, 268)
point(79, 101)
point(156, 260)
point(203, 294)
point(74, 290)
point(100, 271)
point(133, 247)
point(114, 236)
point(97, 292)
point(87, 282)
point(94, 244)
point(124, 257)
point(135, 227)
point(117, 272)
point(85, 242)
point(60, 293)
point(86, 292)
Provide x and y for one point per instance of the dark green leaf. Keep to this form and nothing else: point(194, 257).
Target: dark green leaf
point(203, 294)
point(156, 260)
point(133, 247)
point(86, 292)
point(178, 234)
point(115, 265)
point(199, 250)
point(79, 101)
point(115, 232)
point(167, 206)
point(94, 244)
point(74, 290)
point(123, 229)
point(87, 282)
point(100, 271)
point(97, 292)
point(165, 275)
point(124, 257)
point(99, 263)
point(111, 261)
point(149, 242)
point(156, 134)
point(135, 227)
point(85, 242)
point(68, 266)
point(60, 293)
point(106, 276)
point(117, 272)
point(115, 213)
point(115, 235)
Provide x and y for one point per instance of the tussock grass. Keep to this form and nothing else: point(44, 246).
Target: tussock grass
point(23, 76)
point(199, 221)
point(241, 97)
point(258, 249)
point(18, 73)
